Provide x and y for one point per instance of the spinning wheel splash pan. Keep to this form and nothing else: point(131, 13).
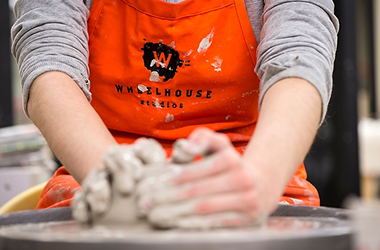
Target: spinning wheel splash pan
point(289, 227)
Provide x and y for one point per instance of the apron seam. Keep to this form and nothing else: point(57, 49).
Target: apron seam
point(97, 20)
point(244, 35)
point(176, 18)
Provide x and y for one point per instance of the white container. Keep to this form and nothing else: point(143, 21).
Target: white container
point(14, 180)
point(369, 147)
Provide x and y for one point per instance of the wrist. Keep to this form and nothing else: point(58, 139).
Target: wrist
point(274, 172)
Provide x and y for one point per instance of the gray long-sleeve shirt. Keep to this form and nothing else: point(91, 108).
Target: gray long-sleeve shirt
point(297, 38)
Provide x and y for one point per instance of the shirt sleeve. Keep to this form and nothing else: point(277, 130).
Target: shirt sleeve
point(51, 36)
point(298, 39)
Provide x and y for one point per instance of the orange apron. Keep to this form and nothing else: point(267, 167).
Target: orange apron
point(160, 70)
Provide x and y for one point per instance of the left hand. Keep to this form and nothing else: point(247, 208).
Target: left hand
point(221, 190)
point(111, 186)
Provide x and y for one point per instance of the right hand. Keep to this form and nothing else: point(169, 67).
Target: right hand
point(222, 189)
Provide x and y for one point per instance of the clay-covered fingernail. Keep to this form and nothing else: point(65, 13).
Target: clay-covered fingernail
point(195, 147)
point(145, 204)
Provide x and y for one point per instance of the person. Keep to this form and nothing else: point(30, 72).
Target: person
point(170, 69)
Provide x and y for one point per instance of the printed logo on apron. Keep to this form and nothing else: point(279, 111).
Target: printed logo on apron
point(162, 61)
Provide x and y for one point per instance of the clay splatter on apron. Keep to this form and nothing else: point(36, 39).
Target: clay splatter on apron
point(206, 42)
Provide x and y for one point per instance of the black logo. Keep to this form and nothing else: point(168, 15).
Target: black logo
point(161, 60)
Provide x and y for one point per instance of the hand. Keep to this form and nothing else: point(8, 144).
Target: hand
point(221, 190)
point(123, 167)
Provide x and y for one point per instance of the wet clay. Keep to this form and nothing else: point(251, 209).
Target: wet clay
point(135, 188)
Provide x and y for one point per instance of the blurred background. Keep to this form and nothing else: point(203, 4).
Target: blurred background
point(343, 161)
point(25, 158)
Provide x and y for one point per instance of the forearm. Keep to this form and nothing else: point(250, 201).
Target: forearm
point(50, 36)
point(288, 121)
point(71, 126)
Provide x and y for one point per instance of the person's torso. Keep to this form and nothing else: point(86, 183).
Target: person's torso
point(160, 69)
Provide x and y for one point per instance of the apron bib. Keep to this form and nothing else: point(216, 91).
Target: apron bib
point(160, 69)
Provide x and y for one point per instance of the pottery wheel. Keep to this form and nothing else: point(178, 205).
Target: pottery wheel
point(314, 228)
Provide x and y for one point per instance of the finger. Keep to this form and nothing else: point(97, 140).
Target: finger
point(80, 208)
point(186, 220)
point(97, 191)
point(129, 170)
point(246, 202)
point(206, 140)
point(116, 156)
point(234, 180)
point(179, 155)
point(164, 203)
point(146, 200)
point(166, 216)
point(156, 190)
point(148, 192)
point(214, 164)
point(123, 172)
point(123, 182)
point(124, 167)
point(153, 193)
point(94, 198)
point(149, 151)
